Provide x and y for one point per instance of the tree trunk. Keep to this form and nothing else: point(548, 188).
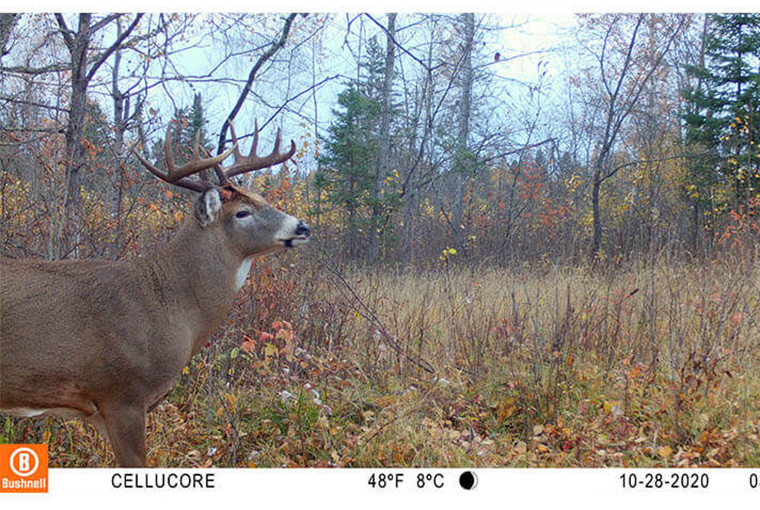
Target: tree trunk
point(384, 146)
point(596, 243)
point(351, 212)
point(411, 210)
point(120, 117)
point(7, 22)
point(75, 152)
point(82, 71)
point(465, 108)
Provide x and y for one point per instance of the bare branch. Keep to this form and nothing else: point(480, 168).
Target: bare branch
point(32, 103)
point(65, 31)
point(53, 68)
point(275, 46)
point(399, 46)
point(116, 45)
point(105, 21)
point(7, 22)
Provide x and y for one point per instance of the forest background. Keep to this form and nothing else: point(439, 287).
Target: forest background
point(536, 238)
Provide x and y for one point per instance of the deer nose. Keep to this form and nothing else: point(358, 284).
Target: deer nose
point(302, 229)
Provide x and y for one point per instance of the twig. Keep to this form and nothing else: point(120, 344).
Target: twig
point(273, 48)
point(366, 312)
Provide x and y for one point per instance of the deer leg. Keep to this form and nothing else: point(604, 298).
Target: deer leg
point(126, 432)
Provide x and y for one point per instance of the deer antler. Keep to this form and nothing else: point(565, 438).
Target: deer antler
point(181, 175)
point(253, 162)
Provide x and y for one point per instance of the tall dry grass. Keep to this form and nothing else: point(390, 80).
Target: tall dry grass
point(655, 364)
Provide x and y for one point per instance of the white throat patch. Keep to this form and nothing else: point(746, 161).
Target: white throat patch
point(242, 272)
point(25, 412)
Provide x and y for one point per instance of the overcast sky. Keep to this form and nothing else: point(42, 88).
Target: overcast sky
point(529, 47)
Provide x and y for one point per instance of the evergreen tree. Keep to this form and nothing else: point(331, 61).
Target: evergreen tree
point(197, 122)
point(722, 114)
point(348, 166)
point(185, 125)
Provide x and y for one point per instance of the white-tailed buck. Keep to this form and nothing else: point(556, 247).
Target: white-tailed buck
point(106, 340)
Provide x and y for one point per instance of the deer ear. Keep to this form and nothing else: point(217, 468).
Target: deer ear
point(207, 207)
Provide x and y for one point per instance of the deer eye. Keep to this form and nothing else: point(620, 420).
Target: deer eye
point(242, 214)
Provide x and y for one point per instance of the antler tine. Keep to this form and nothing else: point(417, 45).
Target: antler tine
point(277, 140)
point(218, 168)
point(234, 140)
point(188, 183)
point(196, 163)
point(255, 144)
point(253, 162)
point(197, 146)
point(180, 176)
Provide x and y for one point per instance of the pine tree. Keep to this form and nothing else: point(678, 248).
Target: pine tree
point(722, 115)
point(348, 166)
point(197, 121)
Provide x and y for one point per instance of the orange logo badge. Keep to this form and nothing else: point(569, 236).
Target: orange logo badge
point(23, 468)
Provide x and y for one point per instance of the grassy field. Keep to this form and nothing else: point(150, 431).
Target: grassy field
point(650, 365)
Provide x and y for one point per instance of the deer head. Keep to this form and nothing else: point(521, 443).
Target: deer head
point(253, 226)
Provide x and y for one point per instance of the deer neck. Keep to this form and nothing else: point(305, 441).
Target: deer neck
point(203, 276)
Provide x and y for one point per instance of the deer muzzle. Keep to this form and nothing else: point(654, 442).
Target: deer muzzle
point(300, 235)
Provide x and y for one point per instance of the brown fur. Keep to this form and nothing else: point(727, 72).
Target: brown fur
point(106, 340)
